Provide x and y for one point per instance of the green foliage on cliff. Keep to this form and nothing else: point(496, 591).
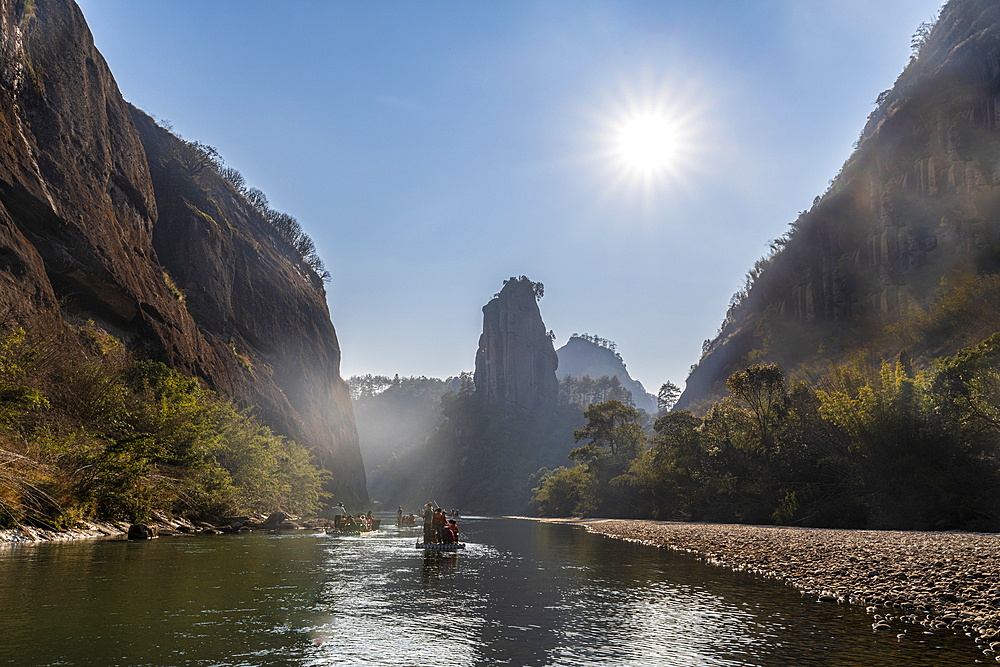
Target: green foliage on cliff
point(582, 392)
point(87, 432)
point(204, 164)
point(876, 445)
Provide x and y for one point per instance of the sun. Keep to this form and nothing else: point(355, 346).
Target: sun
point(650, 141)
point(647, 142)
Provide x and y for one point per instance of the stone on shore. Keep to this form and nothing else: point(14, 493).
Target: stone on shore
point(142, 531)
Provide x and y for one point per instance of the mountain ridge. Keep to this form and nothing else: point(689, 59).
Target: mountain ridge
point(913, 215)
point(580, 357)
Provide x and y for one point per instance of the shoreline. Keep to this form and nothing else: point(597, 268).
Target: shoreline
point(91, 531)
point(935, 580)
point(161, 526)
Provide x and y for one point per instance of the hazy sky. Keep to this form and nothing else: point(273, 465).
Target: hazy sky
point(635, 157)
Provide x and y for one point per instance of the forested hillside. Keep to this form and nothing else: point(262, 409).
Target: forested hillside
point(903, 250)
point(855, 381)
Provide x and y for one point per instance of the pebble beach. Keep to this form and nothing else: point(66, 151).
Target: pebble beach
point(903, 579)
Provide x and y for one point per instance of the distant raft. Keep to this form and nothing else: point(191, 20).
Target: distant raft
point(426, 546)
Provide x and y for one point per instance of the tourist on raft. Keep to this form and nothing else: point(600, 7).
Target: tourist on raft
point(438, 521)
point(338, 515)
point(450, 533)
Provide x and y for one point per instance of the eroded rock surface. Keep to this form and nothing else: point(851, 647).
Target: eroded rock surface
point(98, 219)
point(516, 361)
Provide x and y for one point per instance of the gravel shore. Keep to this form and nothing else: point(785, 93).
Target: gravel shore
point(934, 580)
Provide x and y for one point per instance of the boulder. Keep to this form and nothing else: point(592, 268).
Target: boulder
point(142, 531)
point(275, 520)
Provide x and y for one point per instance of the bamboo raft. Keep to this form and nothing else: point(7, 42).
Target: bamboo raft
point(440, 547)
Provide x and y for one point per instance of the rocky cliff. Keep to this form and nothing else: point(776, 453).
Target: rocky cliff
point(580, 357)
point(915, 210)
point(102, 219)
point(516, 361)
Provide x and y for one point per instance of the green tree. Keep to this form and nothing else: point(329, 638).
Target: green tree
point(669, 476)
point(762, 388)
point(968, 384)
point(613, 429)
point(563, 491)
point(667, 396)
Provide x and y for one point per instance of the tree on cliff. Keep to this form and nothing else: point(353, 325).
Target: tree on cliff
point(667, 396)
point(537, 288)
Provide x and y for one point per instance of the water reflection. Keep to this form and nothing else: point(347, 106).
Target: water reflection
point(522, 593)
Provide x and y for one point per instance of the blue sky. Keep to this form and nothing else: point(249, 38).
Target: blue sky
point(433, 149)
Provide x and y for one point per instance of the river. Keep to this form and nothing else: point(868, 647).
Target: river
point(522, 593)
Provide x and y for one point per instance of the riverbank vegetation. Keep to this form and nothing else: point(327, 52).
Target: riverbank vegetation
point(89, 432)
point(871, 444)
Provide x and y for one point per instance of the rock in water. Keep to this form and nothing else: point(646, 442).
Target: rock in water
point(275, 520)
point(142, 531)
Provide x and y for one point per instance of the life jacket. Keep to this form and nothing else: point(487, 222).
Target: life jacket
point(438, 519)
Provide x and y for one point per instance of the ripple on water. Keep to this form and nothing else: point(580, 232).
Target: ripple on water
point(521, 594)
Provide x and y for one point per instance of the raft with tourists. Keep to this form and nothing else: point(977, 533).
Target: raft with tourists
point(440, 533)
point(345, 524)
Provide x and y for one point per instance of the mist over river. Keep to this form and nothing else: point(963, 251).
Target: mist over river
point(522, 593)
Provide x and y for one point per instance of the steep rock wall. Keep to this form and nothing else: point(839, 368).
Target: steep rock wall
point(918, 201)
point(258, 305)
point(84, 233)
point(76, 190)
point(516, 362)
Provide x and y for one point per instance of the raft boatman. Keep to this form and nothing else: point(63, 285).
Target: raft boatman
point(339, 512)
point(428, 524)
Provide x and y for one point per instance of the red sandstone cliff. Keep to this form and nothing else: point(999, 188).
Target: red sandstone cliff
point(96, 216)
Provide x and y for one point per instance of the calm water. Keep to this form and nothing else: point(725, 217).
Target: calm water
point(523, 593)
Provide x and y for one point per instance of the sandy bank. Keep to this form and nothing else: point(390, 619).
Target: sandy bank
point(934, 580)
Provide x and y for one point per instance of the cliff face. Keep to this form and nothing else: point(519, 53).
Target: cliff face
point(90, 228)
point(579, 357)
point(77, 198)
point(516, 362)
point(257, 304)
point(917, 203)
